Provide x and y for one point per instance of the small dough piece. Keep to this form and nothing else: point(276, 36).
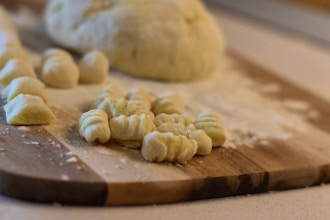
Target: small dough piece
point(111, 90)
point(169, 104)
point(56, 53)
point(25, 85)
point(175, 128)
point(140, 95)
point(211, 123)
point(204, 142)
point(15, 68)
point(9, 52)
point(168, 147)
point(60, 73)
point(117, 107)
point(93, 67)
point(172, 118)
point(28, 110)
point(94, 126)
point(139, 37)
point(131, 129)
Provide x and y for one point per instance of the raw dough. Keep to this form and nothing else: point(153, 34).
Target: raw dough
point(55, 53)
point(15, 68)
point(94, 126)
point(25, 85)
point(93, 67)
point(161, 147)
point(163, 39)
point(28, 110)
point(60, 73)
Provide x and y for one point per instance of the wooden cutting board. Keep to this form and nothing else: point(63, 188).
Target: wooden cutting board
point(53, 164)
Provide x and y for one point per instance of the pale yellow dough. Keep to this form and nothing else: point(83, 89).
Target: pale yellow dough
point(60, 73)
point(160, 39)
point(94, 126)
point(15, 68)
point(25, 85)
point(93, 67)
point(160, 147)
point(28, 110)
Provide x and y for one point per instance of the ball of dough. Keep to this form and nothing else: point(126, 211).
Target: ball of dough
point(93, 67)
point(164, 39)
point(60, 73)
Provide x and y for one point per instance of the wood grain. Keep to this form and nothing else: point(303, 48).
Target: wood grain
point(54, 164)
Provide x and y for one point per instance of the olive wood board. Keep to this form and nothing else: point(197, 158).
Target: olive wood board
point(54, 164)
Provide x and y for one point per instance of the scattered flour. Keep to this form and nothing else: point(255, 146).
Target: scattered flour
point(249, 117)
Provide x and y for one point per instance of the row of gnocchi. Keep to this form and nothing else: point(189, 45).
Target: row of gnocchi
point(25, 92)
point(156, 125)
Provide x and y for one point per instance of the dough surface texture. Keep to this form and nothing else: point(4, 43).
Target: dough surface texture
point(171, 40)
point(28, 110)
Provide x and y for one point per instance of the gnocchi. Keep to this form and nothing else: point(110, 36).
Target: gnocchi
point(169, 104)
point(93, 67)
point(55, 53)
point(9, 52)
point(25, 85)
point(204, 142)
point(210, 122)
point(117, 107)
point(59, 73)
point(111, 90)
point(15, 68)
point(131, 129)
point(168, 147)
point(172, 118)
point(28, 110)
point(94, 126)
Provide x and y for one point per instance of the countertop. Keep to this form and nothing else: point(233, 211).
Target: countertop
point(288, 56)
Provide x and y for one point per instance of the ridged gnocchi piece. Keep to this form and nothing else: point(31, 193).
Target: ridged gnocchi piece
point(169, 104)
point(15, 68)
point(172, 118)
point(175, 128)
point(159, 147)
point(94, 126)
point(93, 67)
point(131, 130)
point(140, 95)
point(204, 142)
point(211, 123)
point(59, 73)
point(117, 107)
point(25, 85)
point(28, 110)
point(111, 90)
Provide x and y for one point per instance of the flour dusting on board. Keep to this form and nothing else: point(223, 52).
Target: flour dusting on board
point(251, 117)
